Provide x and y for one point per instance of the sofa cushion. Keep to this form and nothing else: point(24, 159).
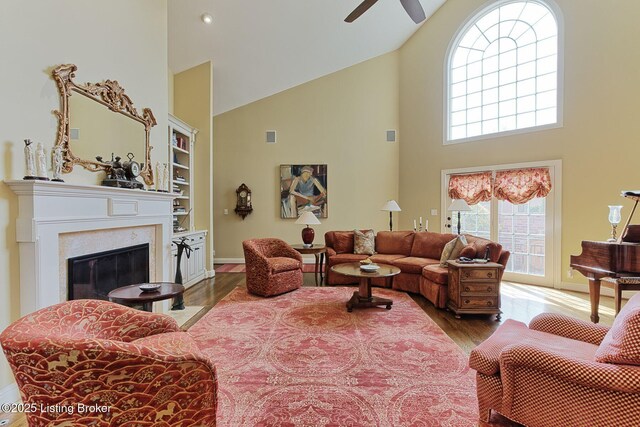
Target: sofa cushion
point(343, 241)
point(436, 273)
point(621, 345)
point(344, 258)
point(429, 245)
point(485, 358)
point(394, 242)
point(413, 264)
point(364, 242)
point(280, 264)
point(481, 245)
point(386, 258)
point(452, 249)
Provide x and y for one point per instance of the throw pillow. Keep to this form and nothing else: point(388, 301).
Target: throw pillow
point(468, 251)
point(621, 345)
point(364, 242)
point(452, 249)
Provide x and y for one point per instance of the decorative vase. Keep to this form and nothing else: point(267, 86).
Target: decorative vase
point(307, 235)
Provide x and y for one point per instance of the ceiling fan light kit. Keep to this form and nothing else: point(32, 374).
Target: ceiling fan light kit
point(412, 7)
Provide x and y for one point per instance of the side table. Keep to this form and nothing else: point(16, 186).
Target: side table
point(132, 295)
point(318, 252)
point(474, 288)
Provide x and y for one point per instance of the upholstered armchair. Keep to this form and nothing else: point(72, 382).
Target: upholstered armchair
point(562, 371)
point(273, 267)
point(108, 365)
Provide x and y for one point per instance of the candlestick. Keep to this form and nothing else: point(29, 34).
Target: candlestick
point(426, 225)
point(414, 225)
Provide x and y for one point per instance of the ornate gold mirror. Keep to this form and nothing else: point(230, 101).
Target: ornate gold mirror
point(97, 132)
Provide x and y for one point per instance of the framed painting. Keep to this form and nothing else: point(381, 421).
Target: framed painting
point(303, 188)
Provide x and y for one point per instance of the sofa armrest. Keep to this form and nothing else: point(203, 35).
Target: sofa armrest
point(535, 357)
point(569, 327)
point(330, 252)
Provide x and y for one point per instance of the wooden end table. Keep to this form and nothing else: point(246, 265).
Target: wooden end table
point(318, 252)
point(474, 288)
point(362, 297)
point(132, 295)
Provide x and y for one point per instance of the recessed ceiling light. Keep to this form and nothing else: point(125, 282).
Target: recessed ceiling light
point(206, 18)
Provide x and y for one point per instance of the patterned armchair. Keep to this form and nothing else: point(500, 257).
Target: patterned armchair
point(273, 267)
point(112, 365)
point(559, 371)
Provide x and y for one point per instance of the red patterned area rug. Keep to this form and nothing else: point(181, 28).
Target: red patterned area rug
point(241, 268)
point(301, 359)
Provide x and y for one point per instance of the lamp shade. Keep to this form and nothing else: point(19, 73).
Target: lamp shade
point(459, 205)
point(391, 206)
point(307, 218)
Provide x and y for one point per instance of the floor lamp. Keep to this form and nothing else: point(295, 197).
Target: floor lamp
point(458, 205)
point(391, 206)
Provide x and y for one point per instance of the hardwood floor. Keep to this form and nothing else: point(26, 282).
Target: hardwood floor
point(519, 302)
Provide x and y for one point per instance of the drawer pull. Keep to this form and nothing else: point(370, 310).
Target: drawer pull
point(465, 274)
point(489, 274)
point(467, 289)
point(489, 289)
point(467, 301)
point(489, 304)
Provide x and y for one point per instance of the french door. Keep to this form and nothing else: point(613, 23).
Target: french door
point(530, 231)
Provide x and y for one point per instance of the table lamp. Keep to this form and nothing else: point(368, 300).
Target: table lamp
point(391, 206)
point(307, 233)
point(458, 205)
point(614, 220)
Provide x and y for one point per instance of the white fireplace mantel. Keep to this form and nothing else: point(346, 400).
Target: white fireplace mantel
point(48, 209)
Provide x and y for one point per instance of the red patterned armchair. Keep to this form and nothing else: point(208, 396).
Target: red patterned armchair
point(273, 267)
point(562, 371)
point(90, 362)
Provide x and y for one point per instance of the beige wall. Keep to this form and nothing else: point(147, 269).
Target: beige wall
point(124, 40)
point(193, 103)
point(339, 120)
point(598, 143)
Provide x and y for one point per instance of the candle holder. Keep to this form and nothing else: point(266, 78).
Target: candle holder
point(614, 220)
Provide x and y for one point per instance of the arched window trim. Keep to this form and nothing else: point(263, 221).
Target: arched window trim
point(453, 44)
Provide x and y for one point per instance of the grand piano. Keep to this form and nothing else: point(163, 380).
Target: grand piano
point(619, 258)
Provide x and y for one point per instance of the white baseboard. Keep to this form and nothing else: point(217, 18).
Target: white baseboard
point(577, 287)
point(305, 259)
point(9, 394)
point(209, 274)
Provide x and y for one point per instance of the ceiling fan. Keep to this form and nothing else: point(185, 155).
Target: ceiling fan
point(413, 8)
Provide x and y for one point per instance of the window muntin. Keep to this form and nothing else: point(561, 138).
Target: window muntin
point(503, 71)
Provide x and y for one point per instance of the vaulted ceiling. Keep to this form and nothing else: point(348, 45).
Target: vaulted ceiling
point(262, 47)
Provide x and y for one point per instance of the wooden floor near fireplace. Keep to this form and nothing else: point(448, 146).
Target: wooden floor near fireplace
point(520, 302)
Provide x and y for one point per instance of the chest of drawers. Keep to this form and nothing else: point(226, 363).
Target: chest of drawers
point(474, 288)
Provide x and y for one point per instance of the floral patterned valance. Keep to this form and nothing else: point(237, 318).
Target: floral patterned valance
point(472, 188)
point(518, 186)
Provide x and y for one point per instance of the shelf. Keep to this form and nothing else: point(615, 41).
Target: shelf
point(180, 213)
point(180, 182)
point(183, 197)
point(178, 165)
point(179, 150)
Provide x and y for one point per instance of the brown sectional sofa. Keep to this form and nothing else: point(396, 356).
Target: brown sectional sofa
point(417, 254)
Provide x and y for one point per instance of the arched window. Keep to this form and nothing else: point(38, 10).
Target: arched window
point(503, 71)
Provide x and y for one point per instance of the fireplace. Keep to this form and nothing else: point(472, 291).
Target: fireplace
point(93, 276)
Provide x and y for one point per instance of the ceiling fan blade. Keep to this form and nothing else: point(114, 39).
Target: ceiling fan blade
point(362, 8)
point(414, 9)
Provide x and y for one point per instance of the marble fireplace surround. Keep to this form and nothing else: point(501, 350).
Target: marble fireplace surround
point(58, 220)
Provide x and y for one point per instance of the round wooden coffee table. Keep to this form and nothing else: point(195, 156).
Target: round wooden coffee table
point(362, 297)
point(132, 295)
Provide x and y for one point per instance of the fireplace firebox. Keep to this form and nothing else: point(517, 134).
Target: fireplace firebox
point(93, 276)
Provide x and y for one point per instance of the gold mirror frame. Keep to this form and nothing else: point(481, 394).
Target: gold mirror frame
point(110, 94)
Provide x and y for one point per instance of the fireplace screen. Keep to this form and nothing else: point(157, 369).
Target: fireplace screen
point(94, 276)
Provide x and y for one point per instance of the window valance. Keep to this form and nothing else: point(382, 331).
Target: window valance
point(472, 188)
point(518, 186)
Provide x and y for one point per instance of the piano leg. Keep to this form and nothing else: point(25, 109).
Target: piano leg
point(594, 296)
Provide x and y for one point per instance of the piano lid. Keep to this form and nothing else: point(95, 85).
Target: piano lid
point(631, 194)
